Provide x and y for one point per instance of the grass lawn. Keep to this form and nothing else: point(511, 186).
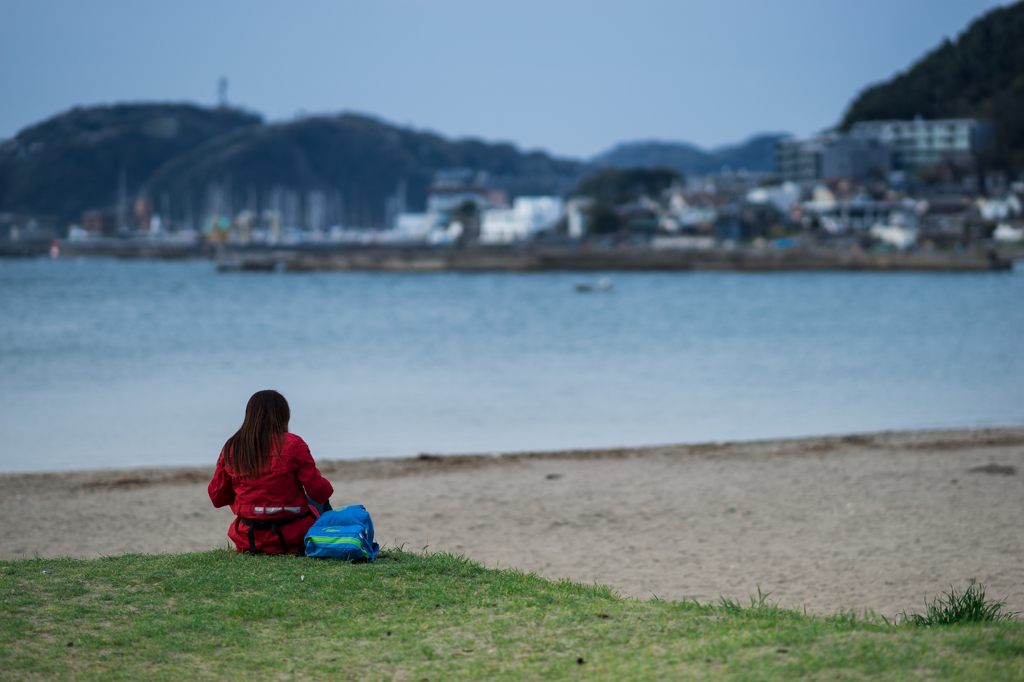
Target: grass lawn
point(221, 615)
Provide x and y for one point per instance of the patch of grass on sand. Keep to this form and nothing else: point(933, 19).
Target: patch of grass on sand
point(221, 615)
point(968, 606)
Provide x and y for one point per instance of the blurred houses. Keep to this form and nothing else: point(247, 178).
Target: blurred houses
point(906, 184)
point(914, 184)
point(527, 217)
point(462, 208)
point(883, 184)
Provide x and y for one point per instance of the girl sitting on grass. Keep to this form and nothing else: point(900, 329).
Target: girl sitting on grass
point(270, 480)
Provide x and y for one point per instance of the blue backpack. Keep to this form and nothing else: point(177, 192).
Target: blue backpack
point(345, 533)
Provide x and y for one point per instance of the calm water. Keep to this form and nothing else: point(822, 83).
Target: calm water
point(106, 363)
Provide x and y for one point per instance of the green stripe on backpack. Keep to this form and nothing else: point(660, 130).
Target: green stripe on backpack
point(345, 533)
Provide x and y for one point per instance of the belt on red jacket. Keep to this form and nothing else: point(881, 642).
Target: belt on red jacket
point(271, 524)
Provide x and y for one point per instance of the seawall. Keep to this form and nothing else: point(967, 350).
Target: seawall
point(316, 257)
point(734, 260)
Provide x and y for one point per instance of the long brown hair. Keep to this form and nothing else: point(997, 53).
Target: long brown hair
point(266, 420)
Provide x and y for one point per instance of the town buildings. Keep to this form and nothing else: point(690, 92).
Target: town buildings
point(461, 207)
point(877, 181)
point(527, 217)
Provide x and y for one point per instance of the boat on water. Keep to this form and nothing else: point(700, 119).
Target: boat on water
point(603, 284)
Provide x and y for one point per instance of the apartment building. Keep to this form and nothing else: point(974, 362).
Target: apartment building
point(873, 148)
point(923, 143)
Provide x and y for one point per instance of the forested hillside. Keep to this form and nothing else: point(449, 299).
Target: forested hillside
point(357, 160)
point(181, 155)
point(979, 75)
point(73, 161)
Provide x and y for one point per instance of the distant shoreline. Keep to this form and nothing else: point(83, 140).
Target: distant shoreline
point(423, 258)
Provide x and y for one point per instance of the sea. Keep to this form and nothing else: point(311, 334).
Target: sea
point(136, 363)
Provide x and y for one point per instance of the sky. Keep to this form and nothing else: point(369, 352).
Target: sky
point(570, 77)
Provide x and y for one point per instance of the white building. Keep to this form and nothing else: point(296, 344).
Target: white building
point(688, 213)
point(1000, 209)
point(781, 196)
point(527, 216)
point(1005, 232)
point(861, 212)
point(576, 215)
point(451, 190)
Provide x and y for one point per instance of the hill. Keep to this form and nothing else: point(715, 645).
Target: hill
point(73, 161)
point(981, 74)
point(757, 154)
point(356, 162)
point(187, 157)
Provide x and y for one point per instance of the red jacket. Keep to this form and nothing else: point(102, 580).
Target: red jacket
point(279, 493)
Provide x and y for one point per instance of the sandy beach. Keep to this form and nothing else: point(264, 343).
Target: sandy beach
point(871, 521)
